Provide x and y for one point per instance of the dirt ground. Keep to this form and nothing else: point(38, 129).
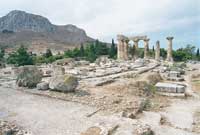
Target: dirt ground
point(125, 97)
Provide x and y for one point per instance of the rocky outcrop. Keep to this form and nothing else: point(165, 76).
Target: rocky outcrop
point(58, 70)
point(18, 21)
point(28, 76)
point(63, 83)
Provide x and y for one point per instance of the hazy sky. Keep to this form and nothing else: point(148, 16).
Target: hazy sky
point(104, 19)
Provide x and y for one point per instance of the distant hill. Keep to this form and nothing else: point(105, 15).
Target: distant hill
point(38, 33)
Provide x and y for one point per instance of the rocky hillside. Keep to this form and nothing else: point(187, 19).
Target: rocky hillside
point(38, 33)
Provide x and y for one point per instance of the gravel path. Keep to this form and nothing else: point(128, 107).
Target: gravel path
point(44, 115)
point(47, 116)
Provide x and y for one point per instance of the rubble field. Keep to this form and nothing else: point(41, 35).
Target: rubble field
point(108, 97)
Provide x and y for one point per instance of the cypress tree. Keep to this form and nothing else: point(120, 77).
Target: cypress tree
point(197, 52)
point(82, 51)
point(112, 50)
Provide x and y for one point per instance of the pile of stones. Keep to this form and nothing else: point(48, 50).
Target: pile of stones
point(11, 129)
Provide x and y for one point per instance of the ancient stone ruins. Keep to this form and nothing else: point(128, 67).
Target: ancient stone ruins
point(124, 96)
point(123, 47)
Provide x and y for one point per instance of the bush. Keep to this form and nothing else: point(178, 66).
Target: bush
point(20, 58)
point(144, 105)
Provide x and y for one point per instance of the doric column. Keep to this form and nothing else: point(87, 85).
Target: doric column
point(157, 53)
point(119, 47)
point(125, 56)
point(169, 49)
point(146, 45)
point(122, 53)
point(136, 47)
point(136, 43)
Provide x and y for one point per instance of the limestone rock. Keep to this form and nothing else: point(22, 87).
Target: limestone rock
point(63, 83)
point(43, 86)
point(153, 78)
point(58, 70)
point(28, 76)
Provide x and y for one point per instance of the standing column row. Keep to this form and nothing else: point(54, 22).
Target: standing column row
point(122, 47)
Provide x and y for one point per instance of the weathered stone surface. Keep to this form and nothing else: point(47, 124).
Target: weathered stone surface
point(170, 88)
point(43, 86)
point(28, 76)
point(103, 60)
point(58, 70)
point(153, 78)
point(174, 74)
point(63, 83)
point(122, 47)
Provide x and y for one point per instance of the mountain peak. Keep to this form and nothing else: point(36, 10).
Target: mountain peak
point(18, 21)
point(16, 12)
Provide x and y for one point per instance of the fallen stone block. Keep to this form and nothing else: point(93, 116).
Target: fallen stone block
point(170, 88)
point(174, 74)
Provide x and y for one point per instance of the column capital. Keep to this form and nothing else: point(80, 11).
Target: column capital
point(146, 40)
point(170, 38)
point(135, 40)
point(122, 38)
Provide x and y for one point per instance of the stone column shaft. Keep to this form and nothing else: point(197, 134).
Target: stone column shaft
point(125, 57)
point(169, 50)
point(146, 45)
point(119, 49)
point(157, 53)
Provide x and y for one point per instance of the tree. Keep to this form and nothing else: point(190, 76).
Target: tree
point(91, 54)
point(153, 49)
point(82, 51)
point(163, 53)
point(184, 54)
point(97, 46)
point(112, 50)
point(20, 58)
point(2, 53)
point(48, 53)
point(197, 54)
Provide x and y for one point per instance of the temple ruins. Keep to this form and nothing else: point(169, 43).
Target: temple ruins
point(123, 47)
